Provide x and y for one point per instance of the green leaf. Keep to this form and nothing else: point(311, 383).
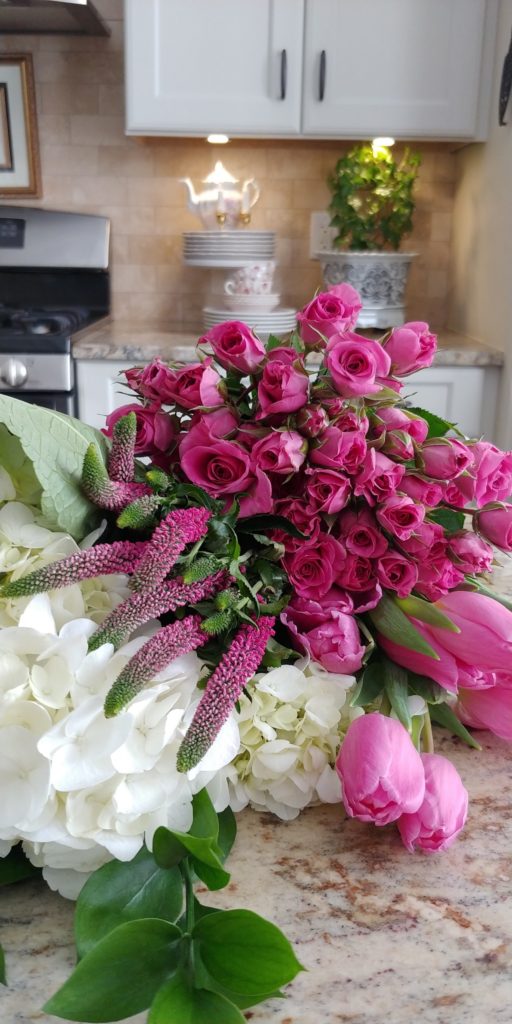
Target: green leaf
point(273, 343)
point(120, 892)
point(395, 626)
point(437, 426)
point(55, 444)
point(426, 612)
point(121, 975)
point(205, 822)
point(370, 685)
point(227, 831)
point(15, 867)
point(445, 716)
point(19, 468)
point(3, 978)
point(213, 878)
point(397, 689)
point(200, 841)
point(431, 691)
point(245, 953)
point(263, 522)
point(450, 520)
point(178, 1003)
point(168, 851)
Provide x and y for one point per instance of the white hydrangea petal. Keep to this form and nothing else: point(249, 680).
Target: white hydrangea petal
point(67, 882)
point(223, 749)
point(38, 615)
point(274, 759)
point(24, 776)
point(6, 845)
point(51, 682)
point(14, 677)
point(13, 517)
point(28, 714)
point(328, 786)
point(287, 683)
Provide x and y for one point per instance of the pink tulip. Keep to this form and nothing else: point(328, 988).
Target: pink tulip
point(485, 637)
point(442, 815)
point(488, 709)
point(380, 770)
point(444, 670)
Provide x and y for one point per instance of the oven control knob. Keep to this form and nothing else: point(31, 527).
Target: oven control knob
point(14, 373)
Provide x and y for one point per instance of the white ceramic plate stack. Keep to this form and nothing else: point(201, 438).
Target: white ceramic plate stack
point(227, 249)
point(278, 322)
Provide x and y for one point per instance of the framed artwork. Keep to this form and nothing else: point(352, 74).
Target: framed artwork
point(20, 173)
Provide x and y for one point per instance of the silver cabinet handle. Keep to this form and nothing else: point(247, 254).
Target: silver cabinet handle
point(284, 73)
point(321, 83)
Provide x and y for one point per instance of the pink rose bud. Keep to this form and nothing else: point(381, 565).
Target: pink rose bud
point(282, 451)
point(411, 347)
point(445, 458)
point(398, 445)
point(313, 568)
point(470, 552)
point(442, 815)
point(392, 418)
point(196, 385)
point(312, 420)
point(328, 491)
point(380, 769)
point(400, 516)
point(355, 363)
point(485, 637)
point(495, 523)
point(330, 312)
point(361, 533)
point(490, 474)
point(283, 388)
point(235, 346)
point(425, 491)
point(379, 477)
point(339, 449)
point(396, 572)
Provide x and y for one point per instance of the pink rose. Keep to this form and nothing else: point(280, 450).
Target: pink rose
point(355, 363)
point(312, 420)
point(339, 449)
point(194, 385)
point(380, 769)
point(328, 491)
point(444, 458)
point(495, 523)
point(437, 576)
point(411, 347)
point(488, 709)
point(284, 354)
point(313, 568)
point(299, 513)
point(347, 419)
point(361, 534)
point(151, 381)
point(398, 445)
point(282, 389)
point(235, 346)
point(453, 494)
point(470, 552)
point(155, 429)
point(442, 815)
point(208, 427)
point(424, 491)
point(326, 632)
point(378, 478)
point(330, 312)
point(491, 474)
point(282, 451)
point(220, 468)
point(400, 516)
point(427, 542)
point(356, 573)
point(396, 572)
point(392, 418)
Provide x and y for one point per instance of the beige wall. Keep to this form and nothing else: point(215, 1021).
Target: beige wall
point(89, 165)
point(481, 300)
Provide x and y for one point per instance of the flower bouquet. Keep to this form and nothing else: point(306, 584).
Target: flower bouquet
point(259, 586)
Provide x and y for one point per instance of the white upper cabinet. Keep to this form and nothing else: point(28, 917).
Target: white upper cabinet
point(310, 68)
point(407, 68)
point(200, 66)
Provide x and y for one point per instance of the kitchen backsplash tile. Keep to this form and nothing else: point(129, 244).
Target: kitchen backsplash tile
point(89, 165)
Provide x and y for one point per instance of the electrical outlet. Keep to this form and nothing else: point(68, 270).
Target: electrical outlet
point(321, 236)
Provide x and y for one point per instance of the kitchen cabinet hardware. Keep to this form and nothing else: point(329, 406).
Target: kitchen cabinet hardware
point(323, 62)
point(284, 73)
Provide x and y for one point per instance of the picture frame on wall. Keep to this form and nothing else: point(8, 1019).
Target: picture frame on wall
point(20, 172)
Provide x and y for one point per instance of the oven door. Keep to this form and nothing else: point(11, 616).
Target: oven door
point(59, 401)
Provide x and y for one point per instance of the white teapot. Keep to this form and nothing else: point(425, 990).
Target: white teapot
point(222, 203)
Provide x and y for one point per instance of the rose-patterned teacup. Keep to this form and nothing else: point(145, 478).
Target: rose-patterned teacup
point(255, 279)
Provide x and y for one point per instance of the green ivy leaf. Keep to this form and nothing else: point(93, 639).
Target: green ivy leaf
point(445, 716)
point(397, 689)
point(178, 1003)
point(245, 953)
point(15, 867)
point(426, 612)
point(393, 624)
point(121, 975)
point(3, 978)
point(119, 892)
point(450, 520)
point(437, 426)
point(370, 685)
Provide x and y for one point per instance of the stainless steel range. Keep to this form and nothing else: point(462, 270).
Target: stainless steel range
point(54, 280)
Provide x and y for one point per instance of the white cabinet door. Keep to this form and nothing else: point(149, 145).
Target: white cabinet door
point(409, 68)
point(100, 389)
point(200, 66)
point(465, 395)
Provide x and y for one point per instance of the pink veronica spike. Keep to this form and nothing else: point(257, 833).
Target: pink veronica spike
point(102, 560)
point(180, 527)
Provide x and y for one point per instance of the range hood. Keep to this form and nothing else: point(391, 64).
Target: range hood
point(67, 17)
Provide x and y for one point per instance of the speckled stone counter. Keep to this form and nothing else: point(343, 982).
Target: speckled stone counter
point(385, 936)
point(111, 340)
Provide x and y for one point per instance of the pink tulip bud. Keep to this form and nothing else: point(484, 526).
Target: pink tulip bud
point(380, 770)
point(442, 815)
point(496, 524)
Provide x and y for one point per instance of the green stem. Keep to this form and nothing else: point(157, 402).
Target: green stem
point(385, 705)
point(189, 895)
point(427, 733)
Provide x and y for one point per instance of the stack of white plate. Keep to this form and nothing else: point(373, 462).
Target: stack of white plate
point(229, 248)
point(280, 321)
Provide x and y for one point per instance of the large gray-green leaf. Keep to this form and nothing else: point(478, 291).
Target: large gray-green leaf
point(55, 444)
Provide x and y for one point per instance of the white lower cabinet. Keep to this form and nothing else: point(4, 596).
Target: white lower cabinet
point(466, 395)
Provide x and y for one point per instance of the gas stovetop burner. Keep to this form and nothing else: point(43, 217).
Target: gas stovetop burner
point(41, 321)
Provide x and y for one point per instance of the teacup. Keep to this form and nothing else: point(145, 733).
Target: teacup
point(255, 279)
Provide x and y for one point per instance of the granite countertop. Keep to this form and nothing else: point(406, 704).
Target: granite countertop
point(385, 936)
point(114, 340)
